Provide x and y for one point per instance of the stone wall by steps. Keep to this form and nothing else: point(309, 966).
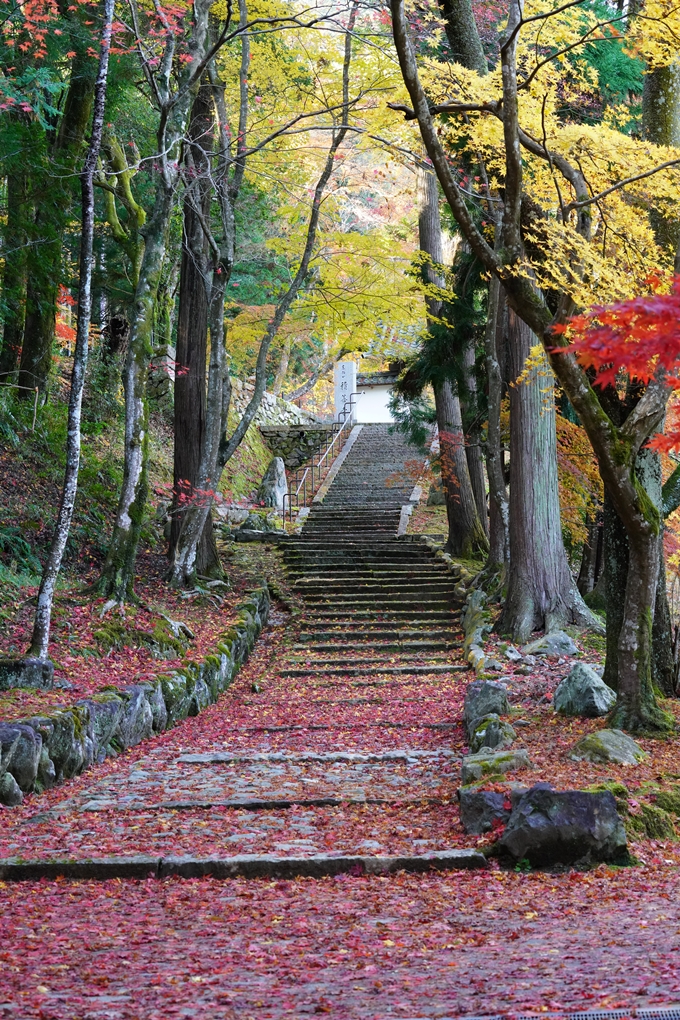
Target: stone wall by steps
point(38, 753)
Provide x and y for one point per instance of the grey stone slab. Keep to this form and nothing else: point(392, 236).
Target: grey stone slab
point(224, 757)
point(140, 866)
point(318, 865)
point(241, 866)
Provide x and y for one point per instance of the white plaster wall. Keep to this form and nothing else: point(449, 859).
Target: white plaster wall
point(373, 404)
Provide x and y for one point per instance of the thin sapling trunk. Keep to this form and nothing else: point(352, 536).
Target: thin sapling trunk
point(41, 627)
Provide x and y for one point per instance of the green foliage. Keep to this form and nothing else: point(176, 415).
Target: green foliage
point(657, 822)
point(669, 800)
point(16, 552)
point(413, 418)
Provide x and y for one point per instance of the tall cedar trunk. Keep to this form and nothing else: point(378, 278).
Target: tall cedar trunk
point(14, 277)
point(589, 570)
point(466, 532)
point(466, 49)
point(192, 334)
point(117, 577)
point(41, 628)
point(541, 591)
point(499, 539)
point(473, 438)
point(466, 535)
point(54, 200)
point(661, 125)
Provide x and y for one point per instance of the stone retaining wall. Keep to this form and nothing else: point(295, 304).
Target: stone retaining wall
point(38, 753)
point(296, 444)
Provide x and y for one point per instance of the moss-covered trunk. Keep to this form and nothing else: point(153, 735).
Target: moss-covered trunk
point(117, 577)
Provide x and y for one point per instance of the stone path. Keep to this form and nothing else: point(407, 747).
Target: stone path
point(358, 707)
point(336, 753)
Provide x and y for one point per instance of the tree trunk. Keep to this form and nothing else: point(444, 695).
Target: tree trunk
point(192, 335)
point(615, 447)
point(282, 370)
point(499, 539)
point(466, 532)
point(541, 591)
point(466, 535)
point(462, 34)
point(217, 449)
point(14, 276)
point(473, 440)
point(661, 125)
point(117, 577)
point(35, 365)
point(55, 200)
point(588, 571)
point(43, 614)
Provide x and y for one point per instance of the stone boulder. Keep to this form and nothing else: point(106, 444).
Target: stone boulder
point(555, 643)
point(583, 693)
point(20, 748)
point(608, 747)
point(482, 698)
point(490, 763)
point(105, 711)
point(548, 827)
point(136, 720)
point(436, 496)
point(10, 791)
point(69, 743)
point(483, 810)
point(491, 731)
point(274, 485)
point(258, 524)
point(26, 673)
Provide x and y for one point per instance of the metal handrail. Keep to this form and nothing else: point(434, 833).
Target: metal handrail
point(293, 495)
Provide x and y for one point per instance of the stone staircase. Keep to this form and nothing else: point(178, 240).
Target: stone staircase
point(375, 603)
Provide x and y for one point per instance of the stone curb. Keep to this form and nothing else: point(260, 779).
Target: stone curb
point(476, 623)
point(244, 866)
point(261, 804)
point(38, 753)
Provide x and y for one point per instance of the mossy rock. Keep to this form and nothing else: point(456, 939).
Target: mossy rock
point(608, 746)
point(162, 642)
point(669, 800)
point(619, 790)
point(657, 822)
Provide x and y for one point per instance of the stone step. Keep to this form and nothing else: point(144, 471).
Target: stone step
point(399, 646)
point(364, 654)
point(305, 579)
point(372, 586)
point(381, 615)
point(248, 866)
point(414, 670)
point(321, 632)
point(357, 602)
